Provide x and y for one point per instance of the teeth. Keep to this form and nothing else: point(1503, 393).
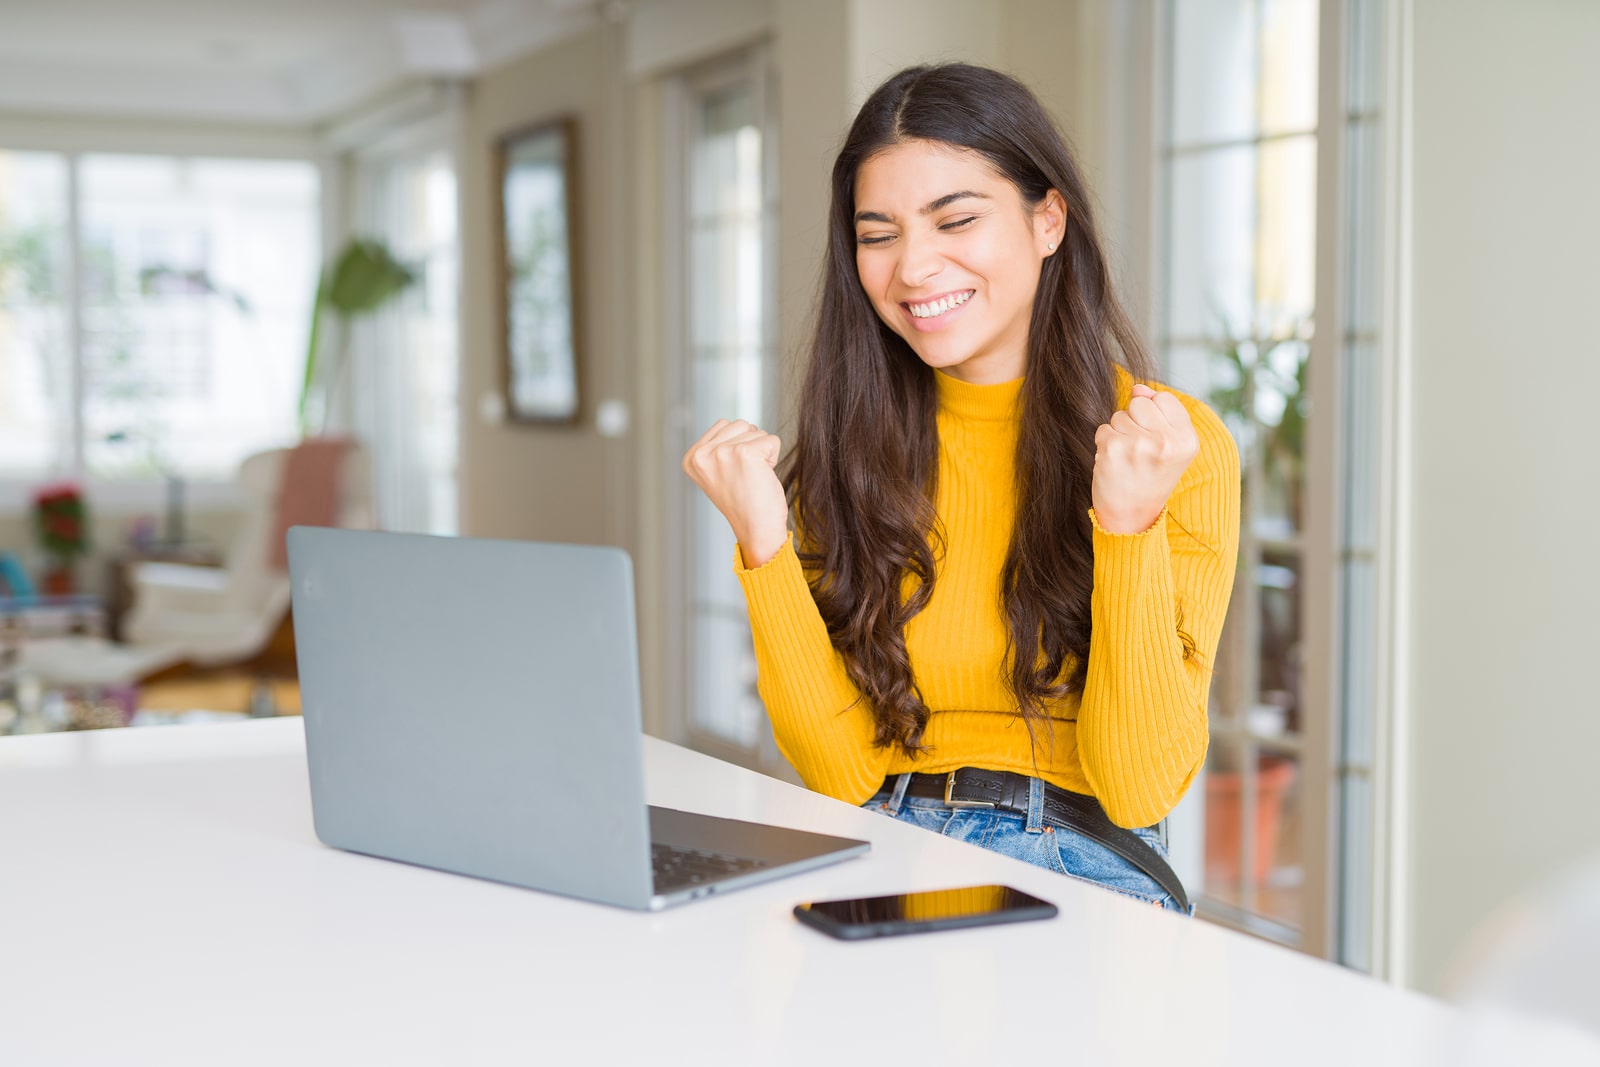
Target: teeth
point(939, 307)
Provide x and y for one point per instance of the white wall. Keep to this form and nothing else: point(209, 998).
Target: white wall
point(1504, 720)
point(544, 482)
point(889, 35)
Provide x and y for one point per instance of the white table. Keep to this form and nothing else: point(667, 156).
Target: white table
point(163, 900)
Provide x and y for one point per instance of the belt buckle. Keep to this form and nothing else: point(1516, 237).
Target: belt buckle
point(951, 802)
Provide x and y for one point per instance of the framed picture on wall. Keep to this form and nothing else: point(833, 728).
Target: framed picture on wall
point(538, 271)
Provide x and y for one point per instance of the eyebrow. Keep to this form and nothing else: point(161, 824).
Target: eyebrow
point(944, 201)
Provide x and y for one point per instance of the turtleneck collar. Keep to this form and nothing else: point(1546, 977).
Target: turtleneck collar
point(983, 402)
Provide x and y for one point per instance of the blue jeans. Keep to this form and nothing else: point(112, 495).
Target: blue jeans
point(1031, 839)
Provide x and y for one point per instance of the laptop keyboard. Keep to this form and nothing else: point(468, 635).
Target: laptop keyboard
point(676, 867)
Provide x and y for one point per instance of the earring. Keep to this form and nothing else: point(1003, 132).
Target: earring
point(1052, 246)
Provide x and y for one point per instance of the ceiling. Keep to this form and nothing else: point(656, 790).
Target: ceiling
point(280, 62)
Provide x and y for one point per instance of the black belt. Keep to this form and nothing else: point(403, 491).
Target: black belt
point(973, 787)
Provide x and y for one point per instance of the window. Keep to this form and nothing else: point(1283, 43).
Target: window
point(35, 365)
point(1241, 167)
point(153, 312)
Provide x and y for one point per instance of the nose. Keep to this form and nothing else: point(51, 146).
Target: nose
point(919, 261)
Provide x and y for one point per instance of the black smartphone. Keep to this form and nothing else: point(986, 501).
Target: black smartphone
point(915, 913)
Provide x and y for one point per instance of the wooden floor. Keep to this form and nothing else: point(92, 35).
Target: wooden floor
point(219, 690)
point(272, 671)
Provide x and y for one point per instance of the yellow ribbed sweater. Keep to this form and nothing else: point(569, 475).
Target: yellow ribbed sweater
point(1137, 733)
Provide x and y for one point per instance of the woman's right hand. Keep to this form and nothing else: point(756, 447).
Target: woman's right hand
point(734, 464)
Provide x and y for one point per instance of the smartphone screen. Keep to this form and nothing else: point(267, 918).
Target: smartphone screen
point(910, 913)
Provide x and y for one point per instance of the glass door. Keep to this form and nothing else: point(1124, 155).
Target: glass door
point(726, 213)
point(1274, 141)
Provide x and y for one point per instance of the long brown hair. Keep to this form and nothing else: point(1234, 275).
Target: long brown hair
point(862, 474)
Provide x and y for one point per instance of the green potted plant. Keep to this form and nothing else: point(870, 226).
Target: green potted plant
point(364, 276)
point(1263, 380)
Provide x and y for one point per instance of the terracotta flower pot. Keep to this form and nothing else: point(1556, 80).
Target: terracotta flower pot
point(59, 579)
point(1274, 776)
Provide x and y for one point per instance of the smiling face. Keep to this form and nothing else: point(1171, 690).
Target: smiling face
point(950, 254)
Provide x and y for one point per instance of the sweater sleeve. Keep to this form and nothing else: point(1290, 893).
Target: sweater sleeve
point(821, 723)
point(1142, 732)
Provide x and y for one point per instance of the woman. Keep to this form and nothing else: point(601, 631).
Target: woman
point(1014, 555)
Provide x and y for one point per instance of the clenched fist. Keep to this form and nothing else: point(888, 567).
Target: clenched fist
point(733, 464)
point(1139, 457)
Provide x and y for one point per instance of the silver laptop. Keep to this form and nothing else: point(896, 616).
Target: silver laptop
point(473, 706)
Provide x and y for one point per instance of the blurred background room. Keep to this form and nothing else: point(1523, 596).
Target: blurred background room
point(487, 267)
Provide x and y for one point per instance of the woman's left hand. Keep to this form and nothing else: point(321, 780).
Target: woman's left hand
point(1139, 457)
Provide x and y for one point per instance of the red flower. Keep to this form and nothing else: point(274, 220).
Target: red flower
point(60, 520)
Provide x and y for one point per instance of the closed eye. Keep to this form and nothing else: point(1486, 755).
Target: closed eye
point(881, 239)
point(959, 224)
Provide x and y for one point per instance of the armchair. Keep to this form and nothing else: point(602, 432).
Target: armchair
point(223, 615)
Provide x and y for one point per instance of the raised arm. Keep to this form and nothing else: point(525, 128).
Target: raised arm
point(1142, 730)
point(819, 720)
